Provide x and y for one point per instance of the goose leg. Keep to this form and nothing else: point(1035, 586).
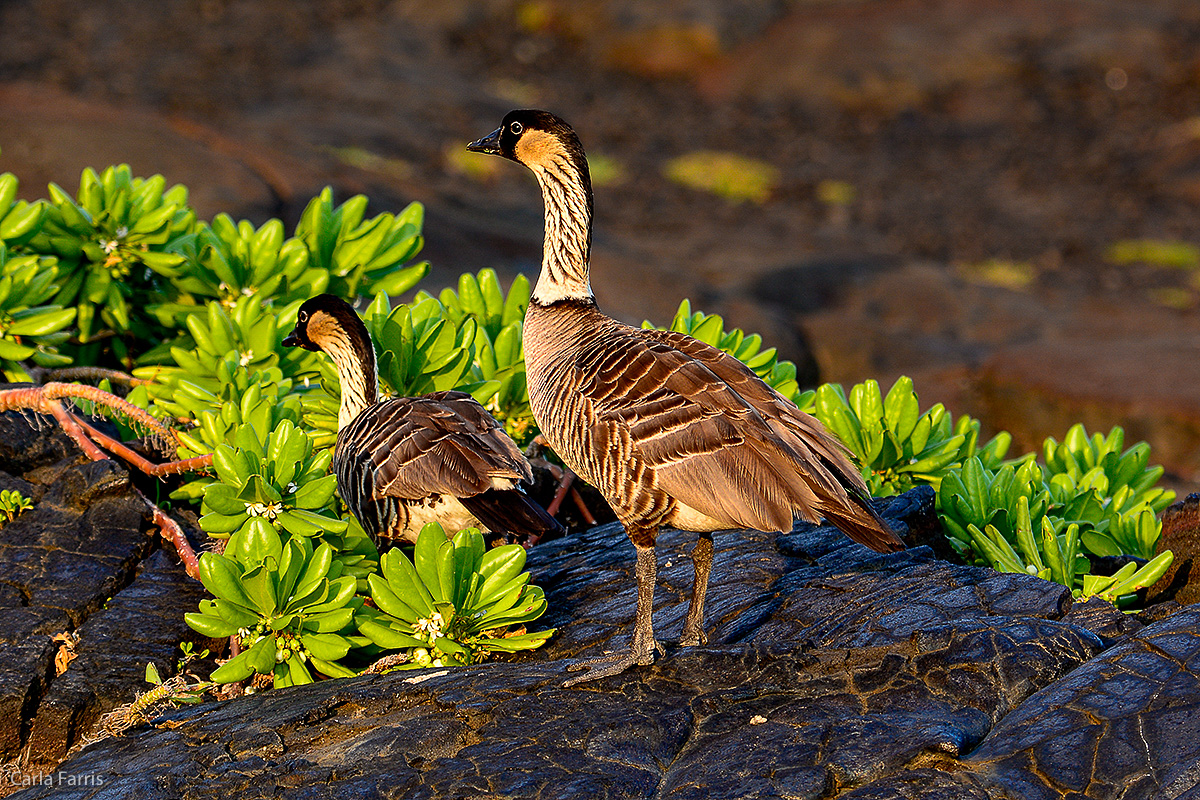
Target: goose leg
point(644, 645)
point(693, 625)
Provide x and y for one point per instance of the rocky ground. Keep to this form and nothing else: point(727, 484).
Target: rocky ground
point(831, 671)
point(992, 153)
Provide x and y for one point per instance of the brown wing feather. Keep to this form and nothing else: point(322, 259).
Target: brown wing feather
point(721, 441)
point(441, 443)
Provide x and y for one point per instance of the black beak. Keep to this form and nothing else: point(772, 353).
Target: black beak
point(291, 341)
point(489, 144)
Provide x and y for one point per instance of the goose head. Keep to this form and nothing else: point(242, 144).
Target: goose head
point(331, 325)
point(321, 321)
point(535, 139)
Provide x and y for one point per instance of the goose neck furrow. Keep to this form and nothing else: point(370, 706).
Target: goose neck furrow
point(356, 369)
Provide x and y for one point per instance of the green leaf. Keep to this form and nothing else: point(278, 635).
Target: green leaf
point(222, 578)
point(262, 542)
point(499, 566)
point(210, 626)
point(235, 670)
point(389, 602)
point(42, 323)
point(425, 554)
point(326, 646)
point(261, 656)
point(386, 637)
point(404, 580)
point(446, 587)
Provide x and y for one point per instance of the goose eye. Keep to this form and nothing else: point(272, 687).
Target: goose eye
point(517, 128)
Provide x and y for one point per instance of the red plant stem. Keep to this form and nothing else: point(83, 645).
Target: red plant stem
point(54, 391)
point(582, 506)
point(174, 534)
point(73, 429)
point(93, 374)
point(199, 463)
point(565, 478)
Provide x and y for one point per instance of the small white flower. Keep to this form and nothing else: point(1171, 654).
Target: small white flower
point(432, 626)
point(246, 358)
point(264, 510)
point(109, 245)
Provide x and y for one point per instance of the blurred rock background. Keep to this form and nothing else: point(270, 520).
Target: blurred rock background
point(998, 199)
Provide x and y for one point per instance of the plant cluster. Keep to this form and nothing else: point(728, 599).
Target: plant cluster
point(1087, 497)
point(454, 602)
point(123, 274)
point(1090, 497)
point(128, 261)
point(896, 444)
point(12, 505)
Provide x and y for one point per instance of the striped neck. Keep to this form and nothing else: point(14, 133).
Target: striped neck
point(567, 245)
point(354, 358)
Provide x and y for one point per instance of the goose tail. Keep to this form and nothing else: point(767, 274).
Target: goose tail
point(512, 512)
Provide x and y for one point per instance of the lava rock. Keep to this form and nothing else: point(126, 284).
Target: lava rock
point(831, 671)
point(81, 563)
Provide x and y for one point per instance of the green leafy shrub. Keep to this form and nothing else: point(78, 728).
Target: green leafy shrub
point(29, 328)
point(19, 221)
point(13, 504)
point(202, 308)
point(897, 446)
point(230, 261)
point(274, 480)
point(363, 257)
point(1093, 498)
point(113, 242)
point(1122, 482)
point(246, 328)
point(1110, 495)
point(453, 603)
point(991, 515)
point(1056, 556)
point(499, 368)
point(288, 604)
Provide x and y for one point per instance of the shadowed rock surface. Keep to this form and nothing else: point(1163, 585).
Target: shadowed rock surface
point(989, 157)
point(831, 672)
point(82, 561)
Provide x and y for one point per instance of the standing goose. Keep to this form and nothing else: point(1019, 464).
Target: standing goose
point(670, 430)
point(408, 461)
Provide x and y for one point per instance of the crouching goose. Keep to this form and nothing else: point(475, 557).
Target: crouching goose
point(407, 461)
point(670, 430)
